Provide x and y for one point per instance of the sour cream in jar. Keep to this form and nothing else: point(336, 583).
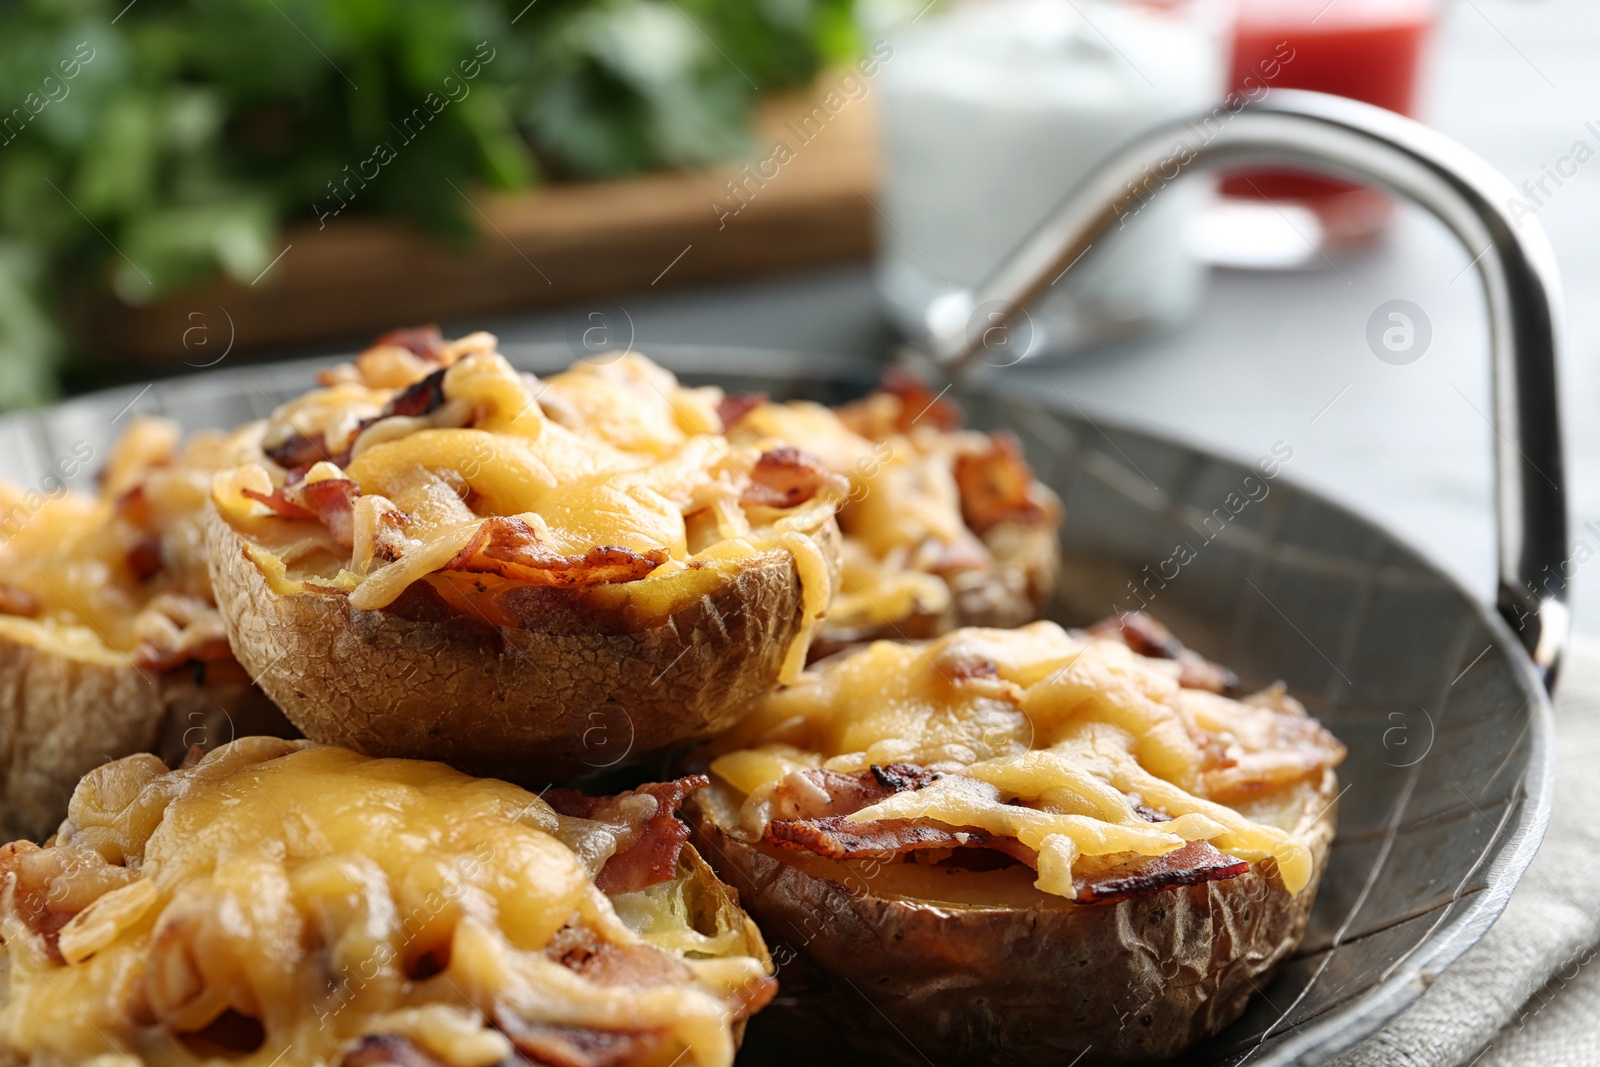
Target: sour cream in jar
point(995, 109)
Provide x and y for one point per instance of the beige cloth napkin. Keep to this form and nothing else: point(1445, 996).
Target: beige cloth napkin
point(1529, 992)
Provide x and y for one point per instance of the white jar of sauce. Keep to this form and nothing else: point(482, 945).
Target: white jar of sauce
point(993, 110)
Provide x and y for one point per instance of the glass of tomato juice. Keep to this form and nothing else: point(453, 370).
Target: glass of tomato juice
point(1367, 50)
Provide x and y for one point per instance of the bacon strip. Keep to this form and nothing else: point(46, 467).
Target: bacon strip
point(330, 501)
point(424, 342)
point(417, 399)
point(996, 486)
point(735, 406)
point(810, 809)
point(511, 548)
point(652, 858)
point(836, 838)
point(15, 600)
point(633, 966)
point(1144, 635)
point(919, 404)
point(820, 794)
point(144, 559)
point(1193, 864)
point(299, 451)
point(549, 1045)
point(786, 477)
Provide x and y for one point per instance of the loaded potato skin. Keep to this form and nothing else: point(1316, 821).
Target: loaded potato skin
point(1020, 846)
point(110, 639)
point(280, 901)
point(436, 556)
point(1134, 980)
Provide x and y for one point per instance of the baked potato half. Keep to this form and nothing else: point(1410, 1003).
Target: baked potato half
point(1018, 847)
point(110, 642)
point(436, 556)
point(943, 527)
point(284, 902)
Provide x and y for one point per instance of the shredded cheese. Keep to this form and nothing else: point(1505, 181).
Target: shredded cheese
point(904, 528)
point(95, 570)
point(1049, 738)
point(612, 453)
point(300, 886)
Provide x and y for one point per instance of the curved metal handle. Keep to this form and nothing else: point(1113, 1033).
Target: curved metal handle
point(1377, 147)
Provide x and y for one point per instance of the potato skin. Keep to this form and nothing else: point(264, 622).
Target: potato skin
point(570, 694)
point(896, 981)
point(60, 717)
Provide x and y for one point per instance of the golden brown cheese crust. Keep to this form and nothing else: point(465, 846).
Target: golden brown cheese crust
point(283, 901)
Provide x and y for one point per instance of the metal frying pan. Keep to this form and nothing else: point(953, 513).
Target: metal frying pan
point(1442, 701)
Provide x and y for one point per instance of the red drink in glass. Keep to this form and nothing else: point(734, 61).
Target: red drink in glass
point(1363, 49)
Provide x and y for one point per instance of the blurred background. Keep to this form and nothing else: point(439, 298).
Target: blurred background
point(187, 184)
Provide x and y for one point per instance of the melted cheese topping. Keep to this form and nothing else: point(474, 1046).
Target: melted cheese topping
point(902, 519)
point(1046, 737)
point(658, 415)
point(612, 453)
point(72, 554)
point(300, 886)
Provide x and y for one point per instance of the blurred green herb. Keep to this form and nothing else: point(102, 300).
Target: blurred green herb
point(153, 144)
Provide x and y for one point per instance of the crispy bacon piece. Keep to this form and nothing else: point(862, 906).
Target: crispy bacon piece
point(1144, 635)
point(631, 966)
point(996, 486)
point(389, 1050)
point(1194, 863)
point(280, 504)
point(133, 508)
point(836, 838)
point(919, 404)
point(658, 837)
point(547, 1045)
point(901, 404)
point(511, 548)
point(298, 451)
point(820, 794)
point(211, 650)
point(330, 501)
point(144, 559)
point(810, 809)
point(735, 406)
point(15, 600)
point(424, 342)
point(786, 477)
point(417, 399)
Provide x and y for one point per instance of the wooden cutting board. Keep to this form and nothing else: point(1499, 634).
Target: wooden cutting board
point(804, 200)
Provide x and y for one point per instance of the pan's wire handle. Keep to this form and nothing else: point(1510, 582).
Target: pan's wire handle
point(1352, 140)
